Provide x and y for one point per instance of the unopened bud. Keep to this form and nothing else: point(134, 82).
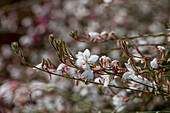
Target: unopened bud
point(51, 37)
point(114, 63)
point(60, 43)
point(73, 34)
point(104, 61)
point(14, 46)
point(123, 43)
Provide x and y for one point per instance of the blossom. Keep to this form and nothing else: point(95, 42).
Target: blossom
point(88, 74)
point(107, 1)
point(103, 33)
point(115, 63)
point(93, 35)
point(130, 73)
point(106, 81)
point(154, 63)
point(105, 61)
point(84, 59)
point(61, 68)
point(137, 56)
point(161, 48)
point(134, 85)
point(40, 66)
point(119, 100)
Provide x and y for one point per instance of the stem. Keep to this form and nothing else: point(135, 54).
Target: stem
point(118, 48)
point(79, 79)
point(130, 38)
point(137, 82)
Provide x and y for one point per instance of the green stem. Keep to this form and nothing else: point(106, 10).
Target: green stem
point(79, 79)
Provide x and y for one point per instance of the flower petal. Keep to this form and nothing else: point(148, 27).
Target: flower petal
point(106, 82)
point(154, 63)
point(79, 55)
point(86, 54)
point(161, 48)
point(80, 62)
point(39, 66)
point(129, 67)
point(93, 58)
point(126, 75)
point(93, 34)
point(88, 74)
point(86, 66)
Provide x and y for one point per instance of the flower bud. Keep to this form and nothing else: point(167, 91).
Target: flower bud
point(14, 46)
point(104, 61)
point(161, 48)
point(73, 34)
point(115, 63)
point(51, 38)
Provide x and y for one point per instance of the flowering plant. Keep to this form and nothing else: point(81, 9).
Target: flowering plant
point(151, 78)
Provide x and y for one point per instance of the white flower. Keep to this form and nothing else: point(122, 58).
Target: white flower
point(161, 48)
point(154, 63)
point(105, 61)
point(107, 1)
point(136, 55)
point(130, 73)
point(84, 59)
point(134, 85)
point(114, 63)
point(116, 81)
point(62, 67)
point(93, 35)
point(88, 74)
point(118, 99)
point(40, 66)
point(103, 33)
point(106, 80)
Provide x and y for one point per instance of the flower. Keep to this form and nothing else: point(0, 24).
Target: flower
point(115, 63)
point(103, 33)
point(39, 66)
point(107, 80)
point(88, 74)
point(61, 68)
point(119, 100)
point(84, 59)
point(107, 1)
point(134, 85)
point(93, 35)
point(105, 61)
point(130, 73)
point(137, 56)
point(154, 63)
point(161, 48)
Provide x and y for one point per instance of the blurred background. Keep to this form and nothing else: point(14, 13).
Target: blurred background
point(30, 22)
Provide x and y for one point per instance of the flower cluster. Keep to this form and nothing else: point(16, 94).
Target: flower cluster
point(101, 70)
